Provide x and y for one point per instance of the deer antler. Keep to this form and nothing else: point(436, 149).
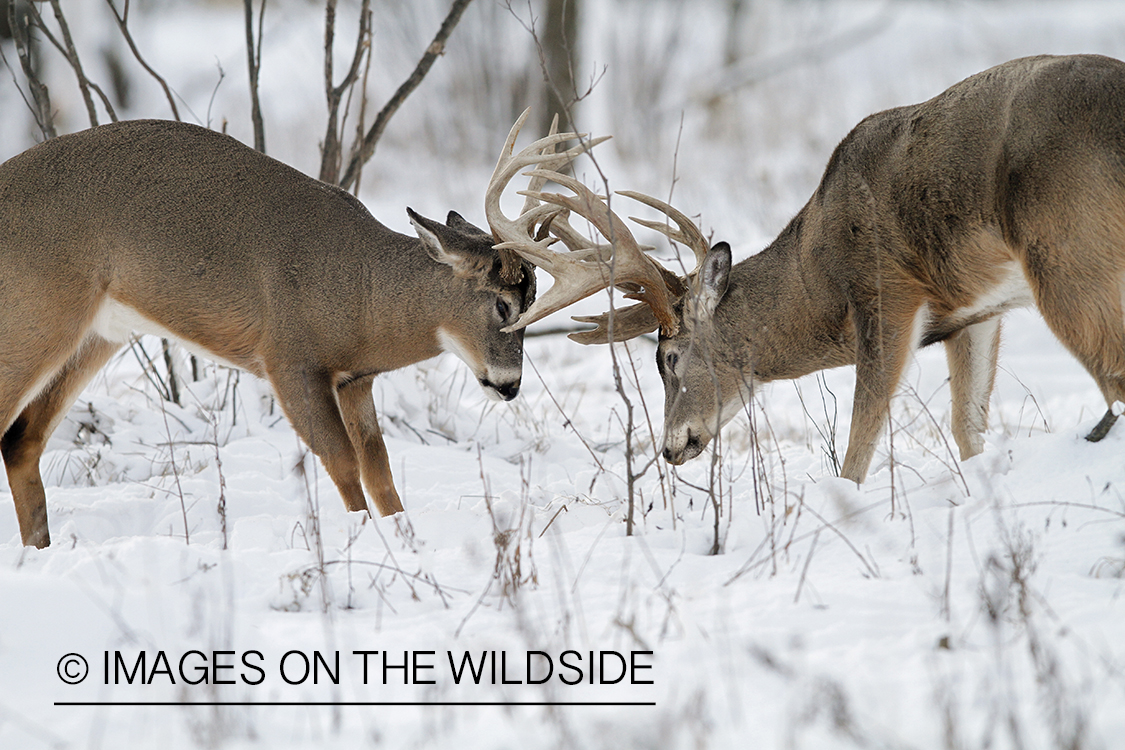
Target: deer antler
point(687, 233)
point(584, 271)
point(588, 267)
point(519, 232)
point(627, 323)
point(630, 322)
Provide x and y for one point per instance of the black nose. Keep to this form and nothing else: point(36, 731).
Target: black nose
point(507, 391)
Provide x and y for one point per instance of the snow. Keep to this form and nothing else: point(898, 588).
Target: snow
point(943, 604)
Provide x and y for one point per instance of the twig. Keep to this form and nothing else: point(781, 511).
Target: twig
point(846, 541)
point(1086, 506)
point(330, 153)
point(149, 368)
point(254, 62)
point(361, 120)
point(69, 51)
point(16, 81)
point(828, 438)
point(210, 105)
point(751, 564)
point(567, 421)
point(561, 509)
point(21, 35)
point(436, 48)
point(176, 475)
point(123, 24)
point(956, 466)
point(805, 568)
point(173, 386)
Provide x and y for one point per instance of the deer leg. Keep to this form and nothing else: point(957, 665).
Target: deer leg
point(309, 401)
point(1071, 237)
point(23, 442)
point(1113, 389)
point(971, 354)
point(1084, 307)
point(884, 342)
point(358, 409)
point(1102, 428)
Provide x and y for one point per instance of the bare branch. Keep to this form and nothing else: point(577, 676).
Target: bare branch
point(361, 120)
point(556, 58)
point(70, 53)
point(21, 35)
point(436, 48)
point(71, 56)
point(254, 59)
point(123, 24)
point(331, 155)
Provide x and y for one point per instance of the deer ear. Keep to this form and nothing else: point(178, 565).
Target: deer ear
point(713, 277)
point(454, 220)
point(441, 245)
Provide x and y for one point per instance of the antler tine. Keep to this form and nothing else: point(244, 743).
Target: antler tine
point(510, 141)
point(536, 184)
point(627, 323)
point(557, 224)
point(579, 274)
point(541, 152)
point(577, 242)
point(687, 234)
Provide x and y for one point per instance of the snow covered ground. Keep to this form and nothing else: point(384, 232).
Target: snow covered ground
point(940, 605)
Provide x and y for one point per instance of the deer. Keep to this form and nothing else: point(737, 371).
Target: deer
point(929, 223)
point(172, 229)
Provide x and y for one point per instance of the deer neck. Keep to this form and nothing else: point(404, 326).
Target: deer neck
point(787, 319)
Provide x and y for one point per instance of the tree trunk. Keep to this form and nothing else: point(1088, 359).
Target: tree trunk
point(559, 47)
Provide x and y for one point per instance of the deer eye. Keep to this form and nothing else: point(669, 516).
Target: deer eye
point(671, 360)
point(502, 308)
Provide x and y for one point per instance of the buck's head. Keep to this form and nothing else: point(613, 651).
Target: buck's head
point(703, 388)
point(495, 288)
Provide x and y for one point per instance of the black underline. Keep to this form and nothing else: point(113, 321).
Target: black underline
point(355, 703)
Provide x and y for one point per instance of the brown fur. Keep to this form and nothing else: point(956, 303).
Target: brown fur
point(927, 209)
point(245, 258)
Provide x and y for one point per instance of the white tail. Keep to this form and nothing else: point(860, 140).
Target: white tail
point(929, 223)
point(168, 228)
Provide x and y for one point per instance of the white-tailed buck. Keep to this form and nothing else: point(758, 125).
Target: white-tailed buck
point(168, 228)
point(929, 223)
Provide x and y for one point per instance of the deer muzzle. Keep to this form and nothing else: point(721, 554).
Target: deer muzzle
point(683, 444)
point(504, 391)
